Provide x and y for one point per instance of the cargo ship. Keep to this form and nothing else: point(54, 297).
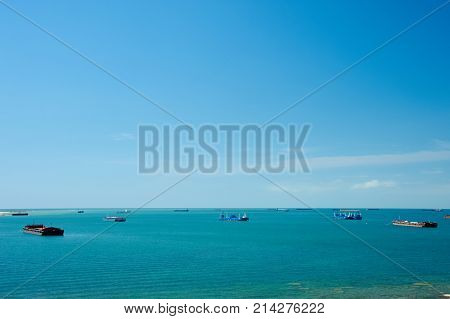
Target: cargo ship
point(42, 230)
point(407, 223)
point(234, 218)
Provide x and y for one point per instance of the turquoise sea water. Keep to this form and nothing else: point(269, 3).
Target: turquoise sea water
point(166, 254)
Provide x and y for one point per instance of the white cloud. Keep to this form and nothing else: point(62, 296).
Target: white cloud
point(374, 183)
point(380, 159)
point(123, 137)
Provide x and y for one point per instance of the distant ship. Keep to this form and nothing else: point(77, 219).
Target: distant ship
point(19, 214)
point(414, 224)
point(348, 214)
point(125, 211)
point(234, 218)
point(181, 210)
point(303, 209)
point(41, 230)
point(115, 219)
point(80, 212)
point(282, 209)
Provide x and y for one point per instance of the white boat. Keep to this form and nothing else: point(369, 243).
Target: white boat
point(115, 219)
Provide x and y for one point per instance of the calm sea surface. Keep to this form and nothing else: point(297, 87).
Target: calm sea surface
point(166, 254)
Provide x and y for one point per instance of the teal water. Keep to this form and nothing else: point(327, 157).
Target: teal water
point(165, 254)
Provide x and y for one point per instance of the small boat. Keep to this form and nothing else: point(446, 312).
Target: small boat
point(348, 214)
point(407, 223)
point(125, 211)
point(19, 214)
point(80, 212)
point(181, 210)
point(282, 209)
point(244, 218)
point(447, 216)
point(234, 218)
point(115, 219)
point(42, 230)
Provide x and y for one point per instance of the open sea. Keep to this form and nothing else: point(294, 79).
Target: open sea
point(166, 254)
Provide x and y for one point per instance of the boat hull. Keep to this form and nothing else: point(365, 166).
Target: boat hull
point(416, 224)
point(115, 219)
point(45, 232)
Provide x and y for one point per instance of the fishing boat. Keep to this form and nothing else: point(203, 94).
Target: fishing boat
point(234, 218)
point(407, 223)
point(115, 219)
point(348, 214)
point(42, 230)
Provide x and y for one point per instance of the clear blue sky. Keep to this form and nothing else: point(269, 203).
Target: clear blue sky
point(67, 133)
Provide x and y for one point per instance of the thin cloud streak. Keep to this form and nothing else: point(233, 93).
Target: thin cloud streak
point(374, 183)
point(381, 159)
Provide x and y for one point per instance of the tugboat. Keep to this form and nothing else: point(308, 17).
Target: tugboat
point(407, 223)
point(348, 214)
point(41, 230)
point(115, 219)
point(234, 218)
